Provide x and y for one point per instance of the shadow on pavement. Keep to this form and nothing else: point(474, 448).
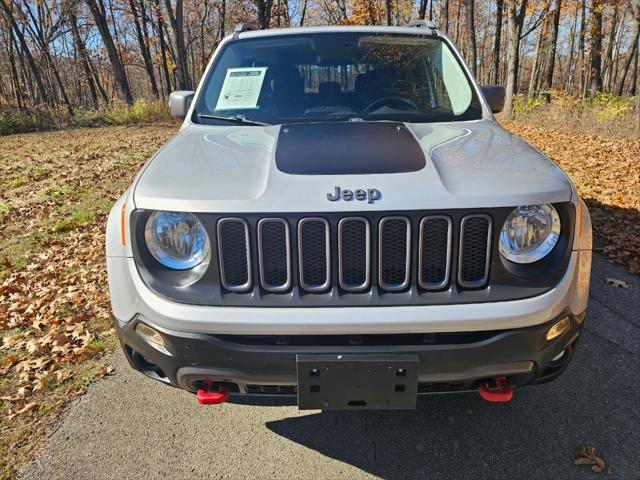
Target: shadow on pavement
point(461, 436)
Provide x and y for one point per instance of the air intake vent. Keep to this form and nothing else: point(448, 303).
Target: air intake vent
point(313, 252)
point(233, 248)
point(354, 254)
point(274, 248)
point(475, 241)
point(395, 253)
point(435, 252)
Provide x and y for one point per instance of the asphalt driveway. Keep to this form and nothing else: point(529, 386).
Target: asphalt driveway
point(128, 426)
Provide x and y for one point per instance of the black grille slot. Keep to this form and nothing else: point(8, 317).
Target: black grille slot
point(395, 253)
point(354, 254)
point(313, 251)
point(233, 249)
point(475, 239)
point(435, 252)
point(275, 254)
point(271, 389)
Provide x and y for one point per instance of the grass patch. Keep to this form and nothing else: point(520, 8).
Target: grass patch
point(142, 111)
point(604, 114)
point(78, 216)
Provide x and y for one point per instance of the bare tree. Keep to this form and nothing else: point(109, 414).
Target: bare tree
point(595, 64)
point(631, 55)
point(553, 43)
point(471, 35)
point(512, 54)
point(99, 15)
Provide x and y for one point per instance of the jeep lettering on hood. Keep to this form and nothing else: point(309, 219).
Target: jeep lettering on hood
point(371, 195)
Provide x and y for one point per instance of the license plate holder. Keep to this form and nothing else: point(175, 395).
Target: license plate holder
point(357, 381)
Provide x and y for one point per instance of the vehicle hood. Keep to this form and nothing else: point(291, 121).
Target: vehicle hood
point(474, 164)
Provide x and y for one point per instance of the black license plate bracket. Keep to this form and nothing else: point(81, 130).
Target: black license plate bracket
point(357, 381)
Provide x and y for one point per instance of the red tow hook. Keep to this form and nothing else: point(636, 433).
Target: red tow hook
point(205, 397)
point(504, 393)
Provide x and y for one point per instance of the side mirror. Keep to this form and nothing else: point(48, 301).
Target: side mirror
point(494, 95)
point(179, 103)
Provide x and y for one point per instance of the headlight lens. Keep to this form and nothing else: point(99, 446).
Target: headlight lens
point(530, 233)
point(177, 240)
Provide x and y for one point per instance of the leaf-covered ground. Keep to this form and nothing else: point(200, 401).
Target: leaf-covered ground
point(606, 172)
point(55, 192)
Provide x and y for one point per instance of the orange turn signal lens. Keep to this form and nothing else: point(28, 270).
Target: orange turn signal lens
point(559, 328)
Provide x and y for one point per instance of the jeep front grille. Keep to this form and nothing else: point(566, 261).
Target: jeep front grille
point(395, 253)
point(314, 254)
point(233, 249)
point(274, 251)
point(475, 248)
point(355, 254)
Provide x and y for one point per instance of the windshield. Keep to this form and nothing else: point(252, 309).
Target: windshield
point(337, 76)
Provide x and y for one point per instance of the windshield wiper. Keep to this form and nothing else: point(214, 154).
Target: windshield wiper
point(239, 119)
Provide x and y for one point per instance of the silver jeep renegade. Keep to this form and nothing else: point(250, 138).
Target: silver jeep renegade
point(341, 219)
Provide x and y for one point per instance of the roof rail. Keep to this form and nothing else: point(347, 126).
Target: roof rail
point(244, 27)
point(422, 24)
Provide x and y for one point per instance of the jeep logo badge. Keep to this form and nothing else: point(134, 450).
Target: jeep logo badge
point(370, 195)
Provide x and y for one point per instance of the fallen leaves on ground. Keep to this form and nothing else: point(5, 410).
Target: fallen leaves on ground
point(617, 282)
point(606, 172)
point(584, 455)
point(55, 318)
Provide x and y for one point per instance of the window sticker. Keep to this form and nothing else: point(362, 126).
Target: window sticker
point(241, 88)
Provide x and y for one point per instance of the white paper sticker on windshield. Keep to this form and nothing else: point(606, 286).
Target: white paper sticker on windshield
point(241, 88)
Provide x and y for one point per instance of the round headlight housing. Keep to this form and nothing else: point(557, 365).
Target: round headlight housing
point(177, 240)
point(530, 233)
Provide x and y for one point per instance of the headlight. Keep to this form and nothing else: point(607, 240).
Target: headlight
point(529, 233)
point(177, 240)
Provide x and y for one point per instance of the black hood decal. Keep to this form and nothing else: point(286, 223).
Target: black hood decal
point(343, 148)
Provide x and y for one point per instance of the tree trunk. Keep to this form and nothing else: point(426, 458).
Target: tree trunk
point(422, 9)
point(264, 12)
point(303, 13)
point(551, 57)
point(176, 19)
point(387, 8)
point(8, 9)
point(634, 76)
point(82, 53)
point(595, 64)
point(446, 16)
point(471, 36)
point(512, 53)
point(144, 50)
point(581, 44)
point(495, 73)
point(608, 58)
point(630, 57)
point(116, 63)
point(535, 68)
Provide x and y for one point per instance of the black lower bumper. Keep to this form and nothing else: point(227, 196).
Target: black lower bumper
point(266, 365)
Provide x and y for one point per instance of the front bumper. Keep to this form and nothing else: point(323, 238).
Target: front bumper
point(266, 365)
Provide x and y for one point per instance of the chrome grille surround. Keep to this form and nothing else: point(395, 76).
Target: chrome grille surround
point(345, 257)
point(425, 252)
point(401, 249)
point(305, 269)
point(230, 258)
point(269, 256)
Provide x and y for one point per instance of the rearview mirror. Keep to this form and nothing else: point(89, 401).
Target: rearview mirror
point(179, 103)
point(494, 95)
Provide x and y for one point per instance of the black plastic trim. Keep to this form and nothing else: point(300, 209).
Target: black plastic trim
point(507, 281)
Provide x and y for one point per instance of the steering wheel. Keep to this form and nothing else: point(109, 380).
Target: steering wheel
point(389, 100)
